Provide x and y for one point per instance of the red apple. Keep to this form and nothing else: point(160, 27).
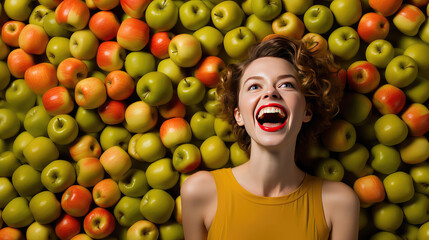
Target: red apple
point(67, 226)
point(90, 93)
point(70, 71)
point(72, 15)
point(373, 26)
point(416, 116)
point(389, 99)
point(9, 233)
point(57, 100)
point(18, 61)
point(110, 56)
point(159, 44)
point(208, 71)
point(10, 32)
point(419, 3)
point(104, 25)
point(41, 77)
point(76, 201)
point(119, 85)
point(112, 112)
point(135, 8)
point(99, 223)
point(174, 108)
point(133, 34)
point(363, 76)
point(385, 7)
point(175, 131)
point(84, 147)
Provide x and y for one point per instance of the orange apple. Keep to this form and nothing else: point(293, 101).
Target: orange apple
point(104, 25)
point(18, 61)
point(316, 44)
point(90, 93)
point(115, 161)
point(208, 71)
point(112, 112)
point(84, 147)
point(416, 116)
point(119, 85)
point(106, 193)
point(33, 39)
point(70, 71)
point(10, 32)
point(76, 201)
point(289, 25)
point(369, 189)
point(57, 100)
point(389, 99)
point(363, 76)
point(174, 108)
point(385, 7)
point(41, 77)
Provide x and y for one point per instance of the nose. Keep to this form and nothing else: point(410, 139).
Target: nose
point(271, 92)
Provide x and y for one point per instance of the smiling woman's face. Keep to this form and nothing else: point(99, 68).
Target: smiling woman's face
point(270, 104)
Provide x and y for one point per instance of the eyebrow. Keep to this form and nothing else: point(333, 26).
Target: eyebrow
point(279, 77)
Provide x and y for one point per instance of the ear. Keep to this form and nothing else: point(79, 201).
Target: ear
point(308, 115)
point(238, 117)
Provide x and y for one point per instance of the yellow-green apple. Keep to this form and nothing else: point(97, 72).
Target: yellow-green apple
point(370, 189)
point(161, 174)
point(237, 155)
point(58, 175)
point(106, 4)
point(8, 164)
point(211, 40)
point(58, 50)
point(90, 4)
point(4, 76)
point(373, 26)
point(17, 213)
point(223, 129)
point(416, 209)
point(214, 152)
point(88, 120)
point(202, 125)
point(409, 231)
point(401, 71)
point(4, 49)
point(81, 236)
point(208, 71)
point(185, 50)
point(416, 116)
point(39, 231)
point(20, 96)
point(194, 14)
point(89, 171)
point(138, 64)
point(133, 34)
point(17, 10)
point(297, 7)
point(149, 147)
point(417, 90)
point(19, 143)
point(45, 207)
point(72, 15)
point(140, 117)
point(423, 230)
point(178, 209)
point(83, 44)
point(40, 152)
point(390, 130)
point(399, 187)
point(363, 76)
point(67, 226)
point(355, 108)
point(346, 12)
point(27, 181)
point(18, 61)
point(52, 28)
point(10, 32)
point(379, 52)
point(238, 41)
point(227, 15)
point(174, 108)
point(134, 183)
point(419, 53)
point(159, 44)
point(99, 223)
point(266, 10)
point(259, 27)
point(132, 151)
point(316, 44)
point(63, 129)
point(76, 201)
point(340, 136)
point(318, 19)
point(90, 93)
point(104, 25)
point(162, 15)
point(7, 191)
point(119, 85)
point(157, 206)
point(330, 169)
point(175, 131)
point(186, 158)
point(408, 19)
point(387, 216)
point(134, 8)
point(191, 91)
point(10, 124)
point(155, 88)
point(389, 99)
point(70, 71)
point(110, 56)
point(127, 211)
point(344, 42)
point(38, 15)
point(419, 174)
point(289, 25)
point(143, 230)
point(247, 7)
point(385, 159)
point(11, 233)
point(414, 150)
point(172, 70)
point(116, 162)
point(112, 112)
point(354, 159)
point(424, 32)
point(106, 193)
point(41, 77)
point(385, 7)
point(171, 230)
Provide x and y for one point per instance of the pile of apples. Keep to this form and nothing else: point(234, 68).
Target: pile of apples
point(107, 106)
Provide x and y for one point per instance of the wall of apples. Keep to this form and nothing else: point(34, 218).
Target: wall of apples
point(107, 106)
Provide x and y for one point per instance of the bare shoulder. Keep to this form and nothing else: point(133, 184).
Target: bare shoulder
point(200, 187)
point(339, 193)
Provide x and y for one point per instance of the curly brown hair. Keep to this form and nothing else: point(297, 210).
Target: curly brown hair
point(319, 84)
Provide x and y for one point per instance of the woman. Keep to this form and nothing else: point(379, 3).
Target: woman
point(280, 96)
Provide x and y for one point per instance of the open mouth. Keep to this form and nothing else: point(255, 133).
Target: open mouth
point(271, 117)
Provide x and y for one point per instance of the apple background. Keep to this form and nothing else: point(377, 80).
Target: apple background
point(166, 71)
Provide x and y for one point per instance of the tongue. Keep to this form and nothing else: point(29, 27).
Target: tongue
point(268, 124)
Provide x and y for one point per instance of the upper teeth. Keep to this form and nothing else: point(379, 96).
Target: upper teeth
point(272, 110)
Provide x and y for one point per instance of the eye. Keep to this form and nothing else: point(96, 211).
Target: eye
point(287, 85)
point(253, 87)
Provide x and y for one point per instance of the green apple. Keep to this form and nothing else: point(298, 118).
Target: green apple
point(9, 123)
point(27, 181)
point(401, 71)
point(227, 15)
point(36, 121)
point(38, 231)
point(238, 41)
point(380, 52)
point(186, 158)
point(52, 28)
point(157, 206)
point(247, 7)
point(134, 183)
point(330, 169)
point(385, 159)
point(114, 136)
point(266, 10)
point(344, 42)
point(7, 192)
point(194, 14)
point(58, 49)
point(211, 40)
point(417, 90)
point(185, 50)
point(162, 15)
point(19, 144)
point(8, 164)
point(20, 96)
point(150, 148)
point(171, 230)
point(83, 44)
point(223, 129)
point(387, 216)
point(45, 207)
point(399, 187)
point(409, 231)
point(384, 236)
point(89, 120)
point(38, 15)
point(416, 210)
point(318, 19)
point(5, 75)
point(423, 233)
point(346, 12)
point(354, 159)
point(355, 108)
point(40, 152)
point(127, 211)
point(414, 150)
point(419, 174)
point(259, 27)
point(390, 130)
point(237, 155)
point(172, 70)
point(424, 32)
point(89, 171)
point(161, 174)
point(63, 129)
point(155, 88)
point(142, 230)
point(18, 10)
point(419, 52)
point(297, 7)
point(17, 213)
point(211, 102)
point(58, 175)
point(138, 64)
point(214, 152)
point(4, 52)
point(191, 91)
point(202, 125)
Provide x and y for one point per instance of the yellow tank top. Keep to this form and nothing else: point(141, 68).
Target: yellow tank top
point(241, 215)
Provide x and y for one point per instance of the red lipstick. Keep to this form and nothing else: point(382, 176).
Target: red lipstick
point(271, 129)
